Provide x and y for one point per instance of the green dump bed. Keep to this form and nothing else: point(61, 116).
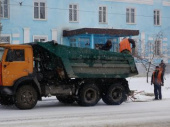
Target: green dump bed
point(91, 63)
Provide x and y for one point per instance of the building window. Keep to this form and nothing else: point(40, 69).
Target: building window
point(73, 42)
point(4, 10)
point(130, 15)
point(5, 39)
point(102, 14)
point(40, 10)
point(84, 42)
point(73, 13)
point(40, 38)
point(157, 17)
point(158, 47)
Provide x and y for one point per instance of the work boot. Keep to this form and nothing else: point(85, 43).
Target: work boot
point(155, 99)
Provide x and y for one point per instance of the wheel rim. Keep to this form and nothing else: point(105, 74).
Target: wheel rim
point(27, 97)
point(90, 95)
point(117, 94)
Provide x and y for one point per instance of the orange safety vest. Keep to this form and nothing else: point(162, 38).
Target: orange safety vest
point(125, 45)
point(158, 78)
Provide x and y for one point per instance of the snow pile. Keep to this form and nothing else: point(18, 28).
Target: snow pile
point(144, 91)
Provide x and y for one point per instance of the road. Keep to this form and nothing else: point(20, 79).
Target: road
point(51, 113)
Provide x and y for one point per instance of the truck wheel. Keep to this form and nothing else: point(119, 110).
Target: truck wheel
point(66, 100)
point(89, 95)
point(26, 97)
point(6, 100)
point(115, 95)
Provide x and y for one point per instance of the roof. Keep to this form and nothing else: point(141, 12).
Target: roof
point(105, 31)
point(6, 45)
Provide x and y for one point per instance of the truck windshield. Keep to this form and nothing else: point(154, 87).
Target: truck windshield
point(1, 53)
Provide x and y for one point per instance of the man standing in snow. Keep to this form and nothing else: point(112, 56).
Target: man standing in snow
point(157, 80)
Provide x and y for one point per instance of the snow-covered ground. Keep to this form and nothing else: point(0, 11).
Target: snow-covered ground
point(144, 112)
point(145, 91)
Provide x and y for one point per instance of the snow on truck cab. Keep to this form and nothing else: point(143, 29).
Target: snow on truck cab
point(30, 72)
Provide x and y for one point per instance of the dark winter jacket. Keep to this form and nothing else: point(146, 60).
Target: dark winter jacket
point(107, 46)
point(162, 66)
point(132, 42)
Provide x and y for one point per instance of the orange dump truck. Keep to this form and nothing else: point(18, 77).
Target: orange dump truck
point(30, 72)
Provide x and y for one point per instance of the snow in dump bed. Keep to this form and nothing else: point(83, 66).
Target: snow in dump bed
point(144, 91)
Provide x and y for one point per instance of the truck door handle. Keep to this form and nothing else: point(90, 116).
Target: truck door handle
point(5, 66)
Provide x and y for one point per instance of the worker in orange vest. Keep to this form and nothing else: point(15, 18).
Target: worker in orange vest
point(125, 46)
point(157, 80)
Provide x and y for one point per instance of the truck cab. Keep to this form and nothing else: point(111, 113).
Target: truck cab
point(15, 62)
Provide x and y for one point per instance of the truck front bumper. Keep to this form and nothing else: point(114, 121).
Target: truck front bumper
point(5, 90)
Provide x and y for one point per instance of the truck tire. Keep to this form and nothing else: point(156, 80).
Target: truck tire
point(6, 100)
point(26, 97)
point(66, 100)
point(114, 95)
point(89, 95)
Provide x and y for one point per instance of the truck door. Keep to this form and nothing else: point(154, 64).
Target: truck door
point(16, 64)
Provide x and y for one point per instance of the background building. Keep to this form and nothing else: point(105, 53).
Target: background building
point(89, 23)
